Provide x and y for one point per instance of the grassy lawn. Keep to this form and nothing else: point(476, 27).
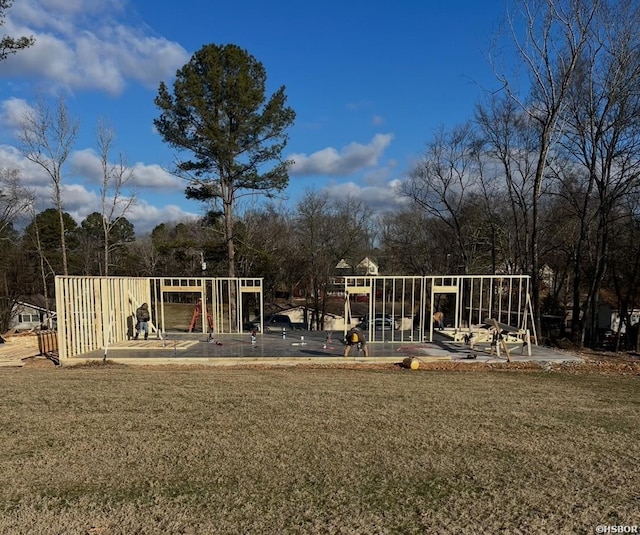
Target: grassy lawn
point(110, 450)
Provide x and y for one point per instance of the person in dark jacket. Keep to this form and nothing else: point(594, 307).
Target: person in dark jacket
point(142, 318)
point(438, 319)
point(355, 337)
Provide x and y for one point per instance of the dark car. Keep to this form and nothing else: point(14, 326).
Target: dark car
point(380, 322)
point(273, 323)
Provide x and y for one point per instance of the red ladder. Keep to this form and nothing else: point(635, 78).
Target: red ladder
point(196, 315)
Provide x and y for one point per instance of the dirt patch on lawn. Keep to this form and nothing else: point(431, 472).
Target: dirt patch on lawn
point(38, 362)
point(607, 365)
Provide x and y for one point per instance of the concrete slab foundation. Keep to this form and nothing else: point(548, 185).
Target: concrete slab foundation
point(301, 347)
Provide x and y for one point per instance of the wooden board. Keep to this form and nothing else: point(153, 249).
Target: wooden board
point(17, 348)
point(501, 326)
point(154, 344)
point(501, 343)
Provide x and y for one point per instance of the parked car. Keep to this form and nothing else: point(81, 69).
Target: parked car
point(274, 323)
point(380, 322)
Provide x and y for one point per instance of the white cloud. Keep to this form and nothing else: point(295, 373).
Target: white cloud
point(88, 44)
point(79, 202)
point(13, 111)
point(379, 176)
point(32, 174)
point(381, 198)
point(80, 46)
point(59, 13)
point(81, 199)
point(351, 159)
point(86, 164)
point(155, 177)
point(77, 199)
point(146, 217)
point(78, 7)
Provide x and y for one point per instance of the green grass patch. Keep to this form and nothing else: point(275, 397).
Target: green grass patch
point(300, 450)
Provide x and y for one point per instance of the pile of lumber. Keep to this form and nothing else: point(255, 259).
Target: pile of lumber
point(18, 346)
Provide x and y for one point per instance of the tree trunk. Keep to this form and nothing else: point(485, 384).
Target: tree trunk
point(106, 249)
point(227, 196)
point(63, 240)
point(43, 273)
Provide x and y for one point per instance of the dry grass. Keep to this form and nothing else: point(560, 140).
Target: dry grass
point(110, 450)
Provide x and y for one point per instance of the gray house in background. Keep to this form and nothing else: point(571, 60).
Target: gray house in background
point(31, 313)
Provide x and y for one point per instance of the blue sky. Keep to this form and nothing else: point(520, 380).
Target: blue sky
point(370, 81)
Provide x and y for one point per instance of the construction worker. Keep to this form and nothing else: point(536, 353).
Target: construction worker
point(142, 318)
point(355, 337)
point(438, 319)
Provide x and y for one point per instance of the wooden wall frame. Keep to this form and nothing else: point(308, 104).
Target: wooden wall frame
point(412, 302)
point(96, 312)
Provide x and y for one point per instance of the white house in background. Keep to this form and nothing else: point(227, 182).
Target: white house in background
point(303, 314)
point(611, 320)
point(366, 267)
point(30, 313)
point(369, 267)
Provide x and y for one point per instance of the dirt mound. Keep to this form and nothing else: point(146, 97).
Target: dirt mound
point(38, 362)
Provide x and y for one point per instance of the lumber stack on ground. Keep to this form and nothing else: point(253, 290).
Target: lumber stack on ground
point(18, 346)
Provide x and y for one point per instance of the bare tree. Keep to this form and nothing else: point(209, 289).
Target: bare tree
point(510, 146)
point(555, 35)
point(14, 201)
point(313, 232)
point(14, 197)
point(444, 183)
point(46, 139)
point(43, 263)
point(264, 239)
point(411, 231)
point(147, 257)
point(115, 179)
point(327, 232)
point(602, 135)
point(624, 274)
